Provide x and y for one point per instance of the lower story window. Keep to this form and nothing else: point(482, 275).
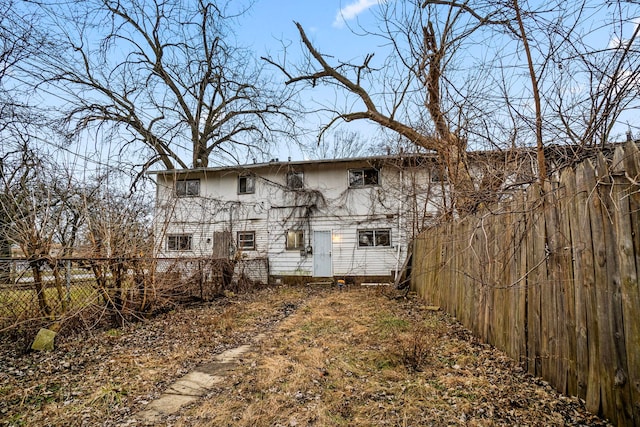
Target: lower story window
point(246, 240)
point(179, 242)
point(295, 239)
point(376, 237)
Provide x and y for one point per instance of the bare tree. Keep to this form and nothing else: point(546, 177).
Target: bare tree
point(344, 144)
point(18, 41)
point(406, 93)
point(584, 69)
point(535, 91)
point(30, 208)
point(72, 222)
point(119, 239)
point(593, 76)
point(457, 76)
point(54, 218)
point(166, 74)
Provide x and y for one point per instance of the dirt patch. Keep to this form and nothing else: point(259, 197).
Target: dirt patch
point(359, 357)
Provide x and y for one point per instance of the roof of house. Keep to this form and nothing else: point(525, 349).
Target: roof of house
point(415, 157)
point(561, 154)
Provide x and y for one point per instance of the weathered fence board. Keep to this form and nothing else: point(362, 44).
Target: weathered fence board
point(592, 280)
point(537, 282)
point(583, 277)
point(614, 362)
point(625, 274)
point(630, 286)
point(520, 283)
point(551, 289)
point(552, 279)
point(567, 215)
point(599, 225)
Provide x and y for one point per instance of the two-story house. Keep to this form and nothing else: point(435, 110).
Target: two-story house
point(348, 218)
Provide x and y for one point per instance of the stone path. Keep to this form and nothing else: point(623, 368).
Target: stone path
point(194, 385)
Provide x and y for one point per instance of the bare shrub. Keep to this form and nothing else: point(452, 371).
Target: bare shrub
point(416, 348)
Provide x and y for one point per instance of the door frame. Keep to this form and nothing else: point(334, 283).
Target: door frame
point(322, 261)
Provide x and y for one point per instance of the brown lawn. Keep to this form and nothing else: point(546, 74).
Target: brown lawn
point(365, 356)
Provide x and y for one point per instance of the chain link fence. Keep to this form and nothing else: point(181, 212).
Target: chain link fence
point(35, 292)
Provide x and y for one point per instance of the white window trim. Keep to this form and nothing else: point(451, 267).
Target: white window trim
point(185, 191)
point(363, 185)
point(300, 243)
point(243, 248)
point(374, 231)
point(177, 242)
point(253, 186)
point(297, 174)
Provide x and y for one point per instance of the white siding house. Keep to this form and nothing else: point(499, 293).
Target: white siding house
point(324, 218)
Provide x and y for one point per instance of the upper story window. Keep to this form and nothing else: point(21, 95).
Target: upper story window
point(295, 239)
point(438, 174)
point(374, 238)
point(188, 188)
point(246, 184)
point(179, 242)
point(363, 177)
point(295, 180)
point(246, 240)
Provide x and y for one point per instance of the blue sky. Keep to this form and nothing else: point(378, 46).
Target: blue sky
point(326, 23)
point(323, 20)
point(270, 23)
point(261, 29)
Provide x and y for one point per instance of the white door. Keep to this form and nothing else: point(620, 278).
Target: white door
point(322, 254)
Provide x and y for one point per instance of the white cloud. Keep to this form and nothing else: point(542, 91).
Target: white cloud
point(618, 43)
point(352, 10)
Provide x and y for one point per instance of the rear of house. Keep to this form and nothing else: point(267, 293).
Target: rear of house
point(348, 218)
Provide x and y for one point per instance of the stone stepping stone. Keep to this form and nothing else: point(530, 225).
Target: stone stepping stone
point(192, 386)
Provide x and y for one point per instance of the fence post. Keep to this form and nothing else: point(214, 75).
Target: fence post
point(68, 274)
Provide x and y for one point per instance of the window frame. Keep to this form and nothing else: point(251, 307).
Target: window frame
point(240, 242)
point(295, 176)
point(184, 192)
point(299, 239)
point(178, 247)
point(374, 232)
point(438, 174)
point(252, 190)
point(364, 183)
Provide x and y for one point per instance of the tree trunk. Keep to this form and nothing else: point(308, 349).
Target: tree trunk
point(39, 287)
point(5, 262)
point(5, 247)
point(453, 154)
point(462, 189)
point(55, 267)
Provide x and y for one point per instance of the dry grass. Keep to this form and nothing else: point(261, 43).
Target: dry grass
point(337, 361)
point(354, 358)
point(361, 358)
point(104, 378)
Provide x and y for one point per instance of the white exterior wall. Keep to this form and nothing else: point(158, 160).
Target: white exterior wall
point(272, 210)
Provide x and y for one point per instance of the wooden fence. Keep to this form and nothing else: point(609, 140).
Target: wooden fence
point(551, 278)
